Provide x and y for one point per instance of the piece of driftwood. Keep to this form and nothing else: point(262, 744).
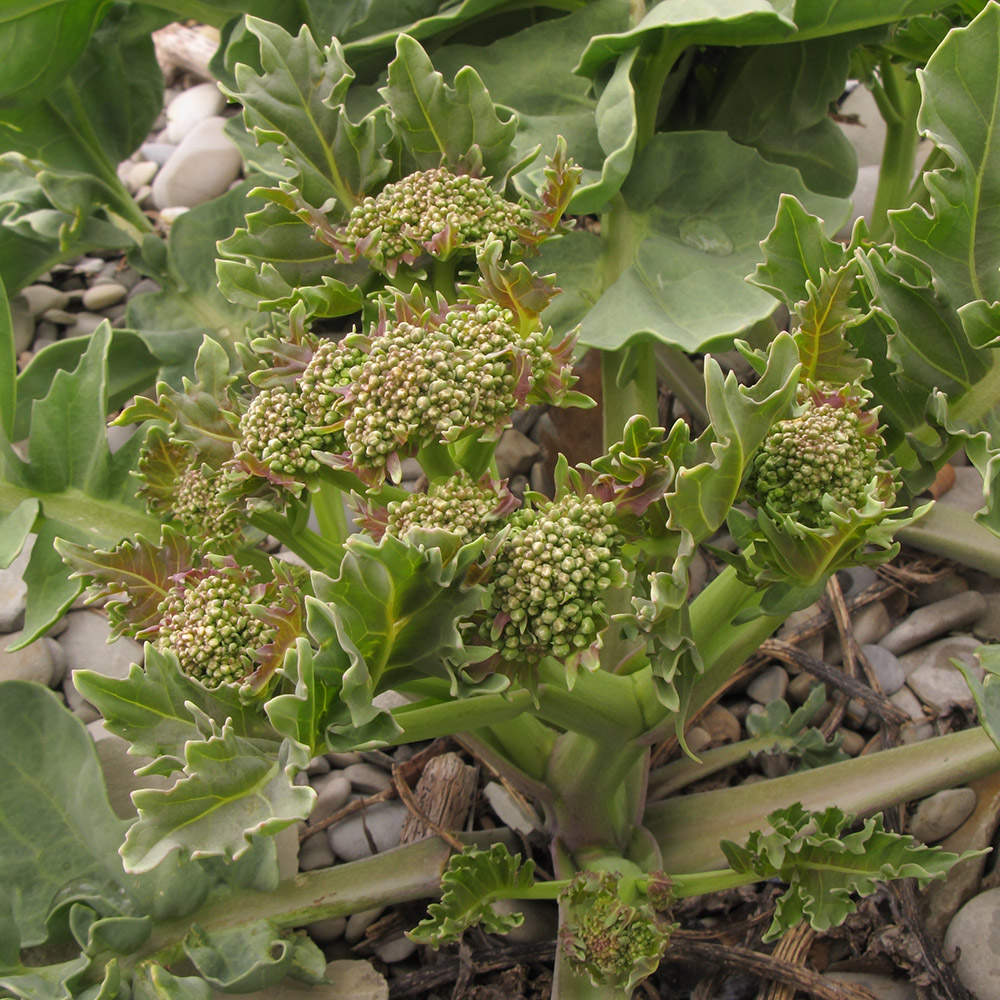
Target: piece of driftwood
point(443, 795)
point(179, 47)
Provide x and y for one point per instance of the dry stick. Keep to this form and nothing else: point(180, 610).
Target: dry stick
point(409, 767)
point(793, 947)
point(403, 790)
point(780, 650)
point(835, 598)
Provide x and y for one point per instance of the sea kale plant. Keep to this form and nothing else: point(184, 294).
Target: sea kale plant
point(442, 216)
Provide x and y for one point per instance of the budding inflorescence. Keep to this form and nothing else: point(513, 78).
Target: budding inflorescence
point(206, 622)
point(549, 575)
point(459, 505)
point(275, 431)
point(430, 211)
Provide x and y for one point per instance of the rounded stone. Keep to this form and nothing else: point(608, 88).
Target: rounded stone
point(332, 792)
point(315, 853)
point(941, 814)
point(85, 643)
point(41, 298)
point(379, 826)
point(204, 165)
point(883, 987)
point(14, 591)
point(935, 680)
point(327, 931)
point(32, 663)
point(769, 685)
point(367, 778)
point(108, 293)
point(720, 724)
point(972, 942)
point(886, 667)
point(190, 107)
point(932, 620)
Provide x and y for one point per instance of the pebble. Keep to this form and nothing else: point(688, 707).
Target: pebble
point(140, 175)
point(367, 778)
point(720, 724)
point(203, 167)
point(77, 704)
point(108, 293)
point(58, 655)
point(852, 743)
point(868, 624)
point(315, 853)
point(84, 324)
point(41, 298)
point(935, 619)
point(358, 923)
point(972, 942)
point(89, 265)
point(941, 814)
point(939, 590)
point(515, 454)
point(32, 663)
point(286, 844)
point(509, 811)
point(697, 739)
point(332, 792)
point(397, 950)
point(855, 579)
point(774, 765)
point(190, 107)
point(905, 699)
point(13, 589)
point(800, 686)
point(318, 765)
point(769, 685)
point(61, 317)
point(383, 822)
point(157, 152)
point(886, 667)
point(932, 677)
point(344, 759)
point(884, 987)
point(85, 643)
point(326, 931)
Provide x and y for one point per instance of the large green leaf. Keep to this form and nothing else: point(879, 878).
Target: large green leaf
point(696, 206)
point(40, 42)
point(52, 790)
point(86, 493)
point(958, 239)
point(818, 18)
point(8, 367)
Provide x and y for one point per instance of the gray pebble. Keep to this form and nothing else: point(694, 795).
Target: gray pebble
point(32, 663)
point(315, 853)
point(509, 811)
point(933, 620)
point(85, 643)
point(332, 792)
point(58, 661)
point(144, 286)
point(61, 317)
point(515, 454)
point(344, 759)
point(884, 987)
point(77, 704)
point(84, 324)
point(886, 667)
point(157, 152)
point(13, 589)
point(720, 724)
point(204, 165)
point(367, 778)
point(98, 297)
point(397, 950)
point(358, 923)
point(383, 822)
point(190, 107)
point(769, 685)
point(327, 931)
point(868, 624)
point(23, 325)
point(941, 814)
point(905, 699)
point(855, 579)
point(697, 739)
point(318, 765)
point(774, 765)
point(40, 298)
point(972, 942)
point(932, 677)
point(939, 590)
point(88, 265)
point(800, 686)
point(141, 174)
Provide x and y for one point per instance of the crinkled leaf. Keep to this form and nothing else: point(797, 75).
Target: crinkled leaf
point(824, 865)
point(232, 789)
point(986, 692)
point(824, 317)
point(302, 714)
point(697, 205)
point(298, 103)
point(796, 250)
point(136, 576)
point(153, 982)
point(470, 884)
point(395, 607)
point(791, 732)
point(441, 124)
point(242, 959)
point(158, 709)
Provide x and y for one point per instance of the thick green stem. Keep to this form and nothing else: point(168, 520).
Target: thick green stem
point(436, 461)
point(649, 88)
point(328, 505)
point(628, 387)
point(899, 101)
point(314, 549)
point(428, 719)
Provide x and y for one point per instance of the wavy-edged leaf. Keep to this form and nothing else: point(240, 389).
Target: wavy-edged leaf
point(696, 205)
point(955, 239)
point(796, 251)
point(316, 677)
point(232, 789)
point(153, 982)
point(241, 959)
point(15, 528)
point(471, 883)
point(792, 733)
point(441, 124)
point(135, 576)
point(824, 865)
point(395, 606)
point(824, 317)
point(158, 708)
point(298, 103)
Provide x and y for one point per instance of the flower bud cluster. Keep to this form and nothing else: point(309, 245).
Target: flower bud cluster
point(404, 219)
point(204, 621)
point(197, 503)
point(829, 450)
point(549, 575)
point(332, 368)
point(275, 430)
point(460, 506)
point(420, 384)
